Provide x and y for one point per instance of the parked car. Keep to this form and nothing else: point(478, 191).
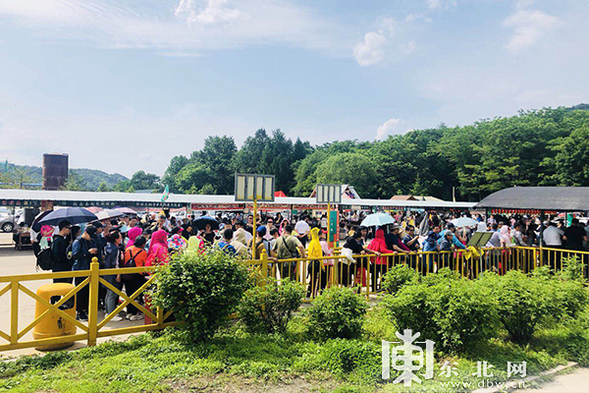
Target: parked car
point(7, 222)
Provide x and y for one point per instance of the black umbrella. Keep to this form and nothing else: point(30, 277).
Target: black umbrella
point(201, 222)
point(75, 215)
point(35, 225)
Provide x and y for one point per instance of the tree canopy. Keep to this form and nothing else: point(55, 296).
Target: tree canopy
point(537, 147)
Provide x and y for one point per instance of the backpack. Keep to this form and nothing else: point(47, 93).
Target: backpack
point(45, 259)
point(130, 263)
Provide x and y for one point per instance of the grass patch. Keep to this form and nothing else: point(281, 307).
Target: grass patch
point(237, 361)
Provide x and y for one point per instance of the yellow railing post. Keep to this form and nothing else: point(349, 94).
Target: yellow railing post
point(13, 311)
point(264, 257)
point(93, 302)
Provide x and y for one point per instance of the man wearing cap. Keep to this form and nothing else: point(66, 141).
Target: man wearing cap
point(393, 240)
point(83, 250)
point(457, 243)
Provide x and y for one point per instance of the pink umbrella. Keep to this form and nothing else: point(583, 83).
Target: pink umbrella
point(126, 210)
point(94, 209)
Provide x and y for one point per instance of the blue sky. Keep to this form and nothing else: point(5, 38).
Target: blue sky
point(125, 85)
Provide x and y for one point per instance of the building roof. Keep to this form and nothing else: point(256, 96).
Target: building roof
point(539, 198)
point(403, 198)
point(16, 197)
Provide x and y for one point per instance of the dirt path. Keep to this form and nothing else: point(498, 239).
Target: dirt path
point(575, 382)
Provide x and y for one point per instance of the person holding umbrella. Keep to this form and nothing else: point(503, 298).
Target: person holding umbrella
point(59, 249)
point(83, 250)
point(206, 224)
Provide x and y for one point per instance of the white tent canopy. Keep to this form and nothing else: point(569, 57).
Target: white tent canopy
point(14, 197)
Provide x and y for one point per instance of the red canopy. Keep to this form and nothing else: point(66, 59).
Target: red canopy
point(279, 194)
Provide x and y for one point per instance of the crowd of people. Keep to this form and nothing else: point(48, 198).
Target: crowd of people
point(128, 241)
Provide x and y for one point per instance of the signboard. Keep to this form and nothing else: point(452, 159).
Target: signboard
point(37, 203)
point(329, 193)
point(270, 206)
point(333, 227)
point(217, 206)
point(250, 187)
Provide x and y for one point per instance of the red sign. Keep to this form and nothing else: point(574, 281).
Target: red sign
point(217, 206)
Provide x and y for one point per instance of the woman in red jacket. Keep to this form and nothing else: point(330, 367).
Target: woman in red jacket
point(379, 267)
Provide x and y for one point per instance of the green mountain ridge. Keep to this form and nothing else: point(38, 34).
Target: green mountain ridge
point(90, 178)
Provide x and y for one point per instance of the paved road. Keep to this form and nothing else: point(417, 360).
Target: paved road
point(575, 382)
point(23, 262)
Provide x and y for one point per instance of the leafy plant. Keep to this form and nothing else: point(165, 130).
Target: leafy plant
point(268, 309)
point(202, 290)
point(456, 314)
point(397, 277)
point(522, 302)
point(337, 313)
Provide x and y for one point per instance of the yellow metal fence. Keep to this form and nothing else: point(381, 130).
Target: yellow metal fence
point(364, 274)
point(90, 331)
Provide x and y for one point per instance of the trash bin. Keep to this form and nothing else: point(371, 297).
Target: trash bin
point(54, 324)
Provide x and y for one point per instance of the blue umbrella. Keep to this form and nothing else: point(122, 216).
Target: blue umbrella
point(75, 215)
point(377, 220)
point(201, 222)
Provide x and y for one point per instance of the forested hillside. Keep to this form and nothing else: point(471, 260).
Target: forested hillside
point(82, 178)
point(538, 147)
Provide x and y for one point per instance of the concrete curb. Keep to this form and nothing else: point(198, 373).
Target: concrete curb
point(506, 387)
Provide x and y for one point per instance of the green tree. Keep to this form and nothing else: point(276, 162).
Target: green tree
point(570, 162)
point(349, 168)
point(249, 158)
point(103, 187)
point(145, 181)
point(305, 175)
point(74, 182)
point(218, 155)
point(176, 165)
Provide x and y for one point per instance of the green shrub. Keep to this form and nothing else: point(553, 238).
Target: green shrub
point(455, 314)
point(569, 297)
point(397, 277)
point(268, 309)
point(337, 313)
point(411, 309)
point(522, 302)
point(201, 290)
point(572, 269)
point(442, 276)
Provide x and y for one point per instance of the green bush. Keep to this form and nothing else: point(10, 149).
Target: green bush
point(337, 313)
point(397, 277)
point(201, 290)
point(522, 302)
point(442, 276)
point(455, 314)
point(572, 269)
point(268, 309)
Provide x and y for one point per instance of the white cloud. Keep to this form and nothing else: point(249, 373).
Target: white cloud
point(519, 4)
point(408, 48)
point(216, 11)
point(179, 54)
point(392, 126)
point(528, 27)
point(440, 4)
point(189, 25)
point(417, 17)
point(371, 50)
